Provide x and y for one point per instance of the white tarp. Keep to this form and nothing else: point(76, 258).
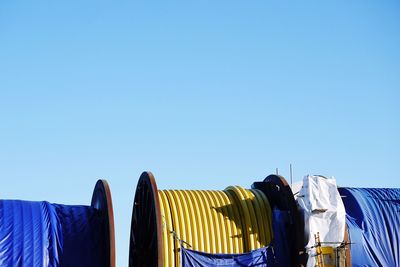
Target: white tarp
point(323, 211)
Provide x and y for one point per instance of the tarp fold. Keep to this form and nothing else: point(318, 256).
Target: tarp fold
point(263, 257)
point(373, 220)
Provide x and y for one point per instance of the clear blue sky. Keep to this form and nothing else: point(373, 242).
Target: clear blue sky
point(205, 94)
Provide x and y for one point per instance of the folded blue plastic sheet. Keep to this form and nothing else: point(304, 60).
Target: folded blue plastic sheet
point(263, 257)
point(373, 220)
point(280, 225)
point(44, 234)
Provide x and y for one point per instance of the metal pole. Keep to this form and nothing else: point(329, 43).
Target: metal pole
point(291, 175)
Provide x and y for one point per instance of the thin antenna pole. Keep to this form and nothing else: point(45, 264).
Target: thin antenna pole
point(291, 175)
point(277, 171)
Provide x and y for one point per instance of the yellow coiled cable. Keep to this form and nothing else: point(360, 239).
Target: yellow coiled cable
point(235, 220)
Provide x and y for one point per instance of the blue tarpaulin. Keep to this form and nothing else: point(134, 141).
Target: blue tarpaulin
point(45, 234)
point(280, 225)
point(263, 257)
point(373, 220)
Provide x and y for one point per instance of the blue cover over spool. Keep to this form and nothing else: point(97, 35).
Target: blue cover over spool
point(45, 234)
point(263, 257)
point(373, 220)
point(280, 224)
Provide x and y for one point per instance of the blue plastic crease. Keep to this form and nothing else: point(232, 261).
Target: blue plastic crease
point(263, 257)
point(45, 234)
point(373, 220)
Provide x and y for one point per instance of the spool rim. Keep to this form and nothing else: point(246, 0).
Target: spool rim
point(146, 224)
point(102, 200)
point(285, 201)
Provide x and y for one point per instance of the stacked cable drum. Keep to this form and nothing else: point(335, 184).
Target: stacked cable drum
point(39, 233)
point(373, 223)
point(235, 220)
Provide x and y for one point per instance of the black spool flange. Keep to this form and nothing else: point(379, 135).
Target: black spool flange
point(146, 225)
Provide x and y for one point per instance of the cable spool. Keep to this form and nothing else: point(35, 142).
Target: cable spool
point(235, 220)
point(280, 195)
point(39, 233)
point(372, 225)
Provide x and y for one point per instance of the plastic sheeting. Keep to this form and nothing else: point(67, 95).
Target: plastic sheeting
point(373, 220)
point(45, 234)
point(263, 257)
point(280, 226)
point(323, 211)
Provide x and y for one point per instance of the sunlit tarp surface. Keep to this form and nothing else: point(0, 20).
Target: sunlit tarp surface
point(45, 234)
point(373, 219)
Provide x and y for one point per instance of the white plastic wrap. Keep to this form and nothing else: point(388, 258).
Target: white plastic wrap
point(324, 213)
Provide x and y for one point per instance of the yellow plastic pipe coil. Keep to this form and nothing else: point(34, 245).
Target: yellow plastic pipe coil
point(235, 220)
